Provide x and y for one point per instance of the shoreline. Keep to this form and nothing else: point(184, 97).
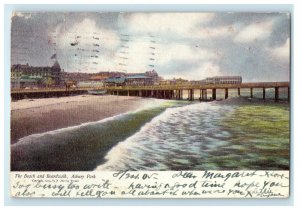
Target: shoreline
point(86, 146)
point(79, 148)
point(33, 116)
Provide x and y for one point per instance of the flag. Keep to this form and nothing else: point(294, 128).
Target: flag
point(53, 56)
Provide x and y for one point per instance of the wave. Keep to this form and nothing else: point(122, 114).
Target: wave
point(36, 137)
point(177, 133)
point(177, 136)
point(78, 148)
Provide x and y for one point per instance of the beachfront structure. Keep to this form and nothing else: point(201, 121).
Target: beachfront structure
point(159, 91)
point(101, 76)
point(224, 80)
point(114, 81)
point(147, 78)
point(75, 77)
point(138, 80)
point(218, 80)
point(198, 82)
point(174, 81)
point(134, 79)
point(26, 76)
point(89, 77)
point(89, 84)
point(154, 76)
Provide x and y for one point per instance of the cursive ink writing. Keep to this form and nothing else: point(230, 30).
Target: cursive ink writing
point(147, 184)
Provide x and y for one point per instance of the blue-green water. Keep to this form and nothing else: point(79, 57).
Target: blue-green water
point(236, 134)
point(208, 136)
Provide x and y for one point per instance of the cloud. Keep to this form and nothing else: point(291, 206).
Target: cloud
point(173, 23)
point(168, 53)
point(22, 14)
point(282, 52)
point(142, 54)
point(215, 32)
point(255, 31)
point(87, 30)
point(138, 55)
point(86, 47)
point(198, 72)
point(187, 62)
point(207, 69)
point(189, 45)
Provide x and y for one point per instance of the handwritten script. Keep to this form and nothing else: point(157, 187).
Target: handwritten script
point(151, 184)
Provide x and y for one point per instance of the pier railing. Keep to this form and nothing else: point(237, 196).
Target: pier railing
point(173, 91)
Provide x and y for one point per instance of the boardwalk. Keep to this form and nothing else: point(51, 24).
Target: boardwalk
point(160, 91)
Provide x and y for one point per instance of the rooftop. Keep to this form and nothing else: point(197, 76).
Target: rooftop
point(137, 77)
point(115, 80)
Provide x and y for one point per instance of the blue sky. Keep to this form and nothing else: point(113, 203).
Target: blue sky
point(187, 45)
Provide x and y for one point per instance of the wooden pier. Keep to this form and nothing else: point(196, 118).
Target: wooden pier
point(44, 93)
point(174, 92)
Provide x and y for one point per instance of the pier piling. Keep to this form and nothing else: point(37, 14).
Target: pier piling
point(226, 93)
point(180, 94)
point(276, 94)
point(214, 94)
point(191, 94)
point(201, 95)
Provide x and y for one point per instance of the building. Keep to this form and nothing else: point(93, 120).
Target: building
point(115, 81)
point(174, 81)
point(75, 77)
point(89, 84)
point(198, 82)
point(133, 79)
point(218, 80)
point(101, 76)
point(138, 80)
point(224, 80)
point(25, 76)
point(147, 78)
point(154, 76)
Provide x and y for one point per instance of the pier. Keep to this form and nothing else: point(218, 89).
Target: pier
point(45, 93)
point(175, 92)
point(172, 92)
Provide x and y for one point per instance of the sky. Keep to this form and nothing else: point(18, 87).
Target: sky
point(191, 46)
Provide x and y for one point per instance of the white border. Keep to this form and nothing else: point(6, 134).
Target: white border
point(295, 38)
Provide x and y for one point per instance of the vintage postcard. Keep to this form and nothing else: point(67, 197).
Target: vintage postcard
point(150, 105)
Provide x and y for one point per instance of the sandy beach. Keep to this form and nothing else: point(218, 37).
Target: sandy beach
point(30, 116)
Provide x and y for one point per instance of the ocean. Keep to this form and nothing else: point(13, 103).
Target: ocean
point(233, 134)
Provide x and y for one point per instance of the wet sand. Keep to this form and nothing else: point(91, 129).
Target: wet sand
point(31, 116)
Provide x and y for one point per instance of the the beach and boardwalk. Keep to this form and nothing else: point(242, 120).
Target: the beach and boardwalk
point(31, 116)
